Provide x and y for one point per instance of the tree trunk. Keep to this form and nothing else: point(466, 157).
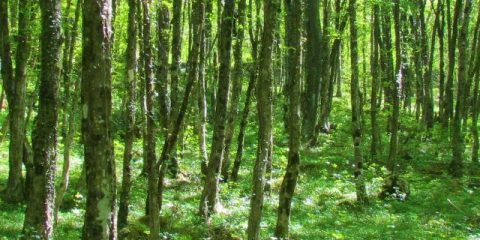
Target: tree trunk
point(458, 148)
point(175, 71)
point(356, 108)
point(170, 142)
point(264, 107)
point(441, 65)
point(70, 108)
point(293, 19)
point(210, 190)
point(201, 95)
point(475, 74)
point(376, 84)
point(153, 213)
point(452, 45)
point(130, 111)
point(15, 88)
point(40, 207)
point(391, 185)
point(248, 94)
point(312, 68)
point(100, 217)
point(163, 48)
point(237, 77)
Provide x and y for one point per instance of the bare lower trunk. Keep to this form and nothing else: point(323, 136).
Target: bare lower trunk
point(130, 109)
point(264, 108)
point(100, 215)
point(356, 108)
point(40, 207)
point(292, 89)
point(209, 194)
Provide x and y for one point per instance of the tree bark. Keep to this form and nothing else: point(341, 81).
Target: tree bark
point(163, 48)
point(100, 217)
point(153, 214)
point(70, 108)
point(312, 68)
point(130, 111)
point(475, 74)
point(293, 19)
point(193, 57)
point(249, 94)
point(452, 45)
point(458, 148)
point(202, 94)
point(210, 190)
point(15, 88)
point(356, 108)
point(41, 204)
point(376, 84)
point(175, 71)
point(237, 77)
point(264, 107)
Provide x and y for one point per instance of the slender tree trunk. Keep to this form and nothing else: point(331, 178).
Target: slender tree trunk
point(248, 98)
point(100, 215)
point(193, 58)
point(15, 87)
point(153, 213)
point(202, 94)
point(163, 48)
point(237, 77)
point(392, 181)
point(312, 68)
point(441, 66)
point(130, 111)
point(175, 71)
point(293, 19)
point(210, 190)
point(69, 108)
point(264, 107)
point(452, 45)
point(40, 208)
point(475, 74)
point(376, 84)
point(356, 108)
point(458, 148)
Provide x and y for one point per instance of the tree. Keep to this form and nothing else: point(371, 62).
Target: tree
point(452, 45)
point(392, 183)
point(254, 35)
point(15, 88)
point(237, 77)
point(70, 107)
point(356, 108)
point(130, 109)
point(163, 49)
point(175, 70)
point(100, 217)
point(376, 83)
point(41, 204)
point(210, 190)
point(312, 68)
point(456, 165)
point(264, 107)
point(293, 19)
point(193, 58)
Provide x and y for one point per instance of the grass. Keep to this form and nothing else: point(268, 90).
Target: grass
point(324, 207)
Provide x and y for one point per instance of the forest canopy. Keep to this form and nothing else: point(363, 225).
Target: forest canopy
point(239, 119)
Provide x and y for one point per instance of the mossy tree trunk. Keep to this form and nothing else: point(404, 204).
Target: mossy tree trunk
point(293, 19)
point(100, 215)
point(264, 94)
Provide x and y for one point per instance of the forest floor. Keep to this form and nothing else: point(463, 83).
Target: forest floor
point(438, 207)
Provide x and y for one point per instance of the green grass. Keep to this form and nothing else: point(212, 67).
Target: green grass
point(439, 207)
